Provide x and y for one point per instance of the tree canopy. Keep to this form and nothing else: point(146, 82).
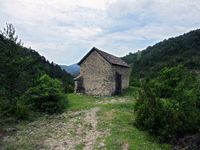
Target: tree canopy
point(20, 67)
point(184, 49)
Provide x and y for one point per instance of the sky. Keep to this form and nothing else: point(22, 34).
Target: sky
point(65, 30)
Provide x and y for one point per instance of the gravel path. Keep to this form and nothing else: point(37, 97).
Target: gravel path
point(83, 127)
point(68, 131)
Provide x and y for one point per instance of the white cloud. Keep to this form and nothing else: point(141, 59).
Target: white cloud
point(84, 33)
point(64, 30)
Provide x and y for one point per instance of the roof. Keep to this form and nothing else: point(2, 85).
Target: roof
point(108, 57)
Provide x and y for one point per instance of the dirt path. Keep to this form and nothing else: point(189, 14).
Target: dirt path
point(93, 134)
point(69, 131)
point(90, 123)
point(83, 132)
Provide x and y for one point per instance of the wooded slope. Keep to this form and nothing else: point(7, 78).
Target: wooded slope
point(184, 49)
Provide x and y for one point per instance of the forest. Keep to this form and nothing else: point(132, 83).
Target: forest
point(168, 75)
point(25, 74)
point(182, 50)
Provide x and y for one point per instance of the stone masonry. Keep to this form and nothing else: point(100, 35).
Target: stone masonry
point(97, 74)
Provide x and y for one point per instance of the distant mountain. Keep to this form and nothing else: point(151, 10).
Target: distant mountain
point(184, 50)
point(73, 69)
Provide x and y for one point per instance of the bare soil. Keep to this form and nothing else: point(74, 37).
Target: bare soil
point(67, 131)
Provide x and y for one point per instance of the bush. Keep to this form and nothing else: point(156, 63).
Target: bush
point(21, 110)
point(149, 110)
point(69, 88)
point(46, 96)
point(168, 106)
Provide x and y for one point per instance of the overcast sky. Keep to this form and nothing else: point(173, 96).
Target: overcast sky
point(65, 30)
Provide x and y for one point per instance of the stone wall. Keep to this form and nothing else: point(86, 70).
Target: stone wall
point(124, 72)
point(97, 75)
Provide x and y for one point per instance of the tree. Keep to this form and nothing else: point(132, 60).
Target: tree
point(9, 33)
point(20, 68)
point(46, 96)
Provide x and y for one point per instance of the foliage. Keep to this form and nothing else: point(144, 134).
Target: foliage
point(46, 96)
point(183, 50)
point(21, 110)
point(9, 33)
point(168, 106)
point(19, 69)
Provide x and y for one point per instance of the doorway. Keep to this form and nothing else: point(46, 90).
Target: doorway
point(79, 85)
point(118, 83)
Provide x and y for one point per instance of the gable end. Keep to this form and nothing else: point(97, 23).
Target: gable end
point(113, 60)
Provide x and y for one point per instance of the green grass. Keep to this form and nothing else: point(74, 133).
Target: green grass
point(122, 130)
point(80, 102)
point(116, 119)
point(79, 147)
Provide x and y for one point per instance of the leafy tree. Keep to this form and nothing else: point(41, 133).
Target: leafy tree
point(20, 67)
point(46, 96)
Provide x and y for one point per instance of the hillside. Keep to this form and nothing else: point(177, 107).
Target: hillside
point(184, 49)
point(73, 69)
point(20, 67)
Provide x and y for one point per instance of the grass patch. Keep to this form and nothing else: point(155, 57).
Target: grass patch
point(131, 91)
point(79, 146)
point(119, 119)
point(116, 117)
point(80, 102)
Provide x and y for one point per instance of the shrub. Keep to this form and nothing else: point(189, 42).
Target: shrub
point(69, 88)
point(168, 106)
point(149, 110)
point(46, 96)
point(21, 110)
